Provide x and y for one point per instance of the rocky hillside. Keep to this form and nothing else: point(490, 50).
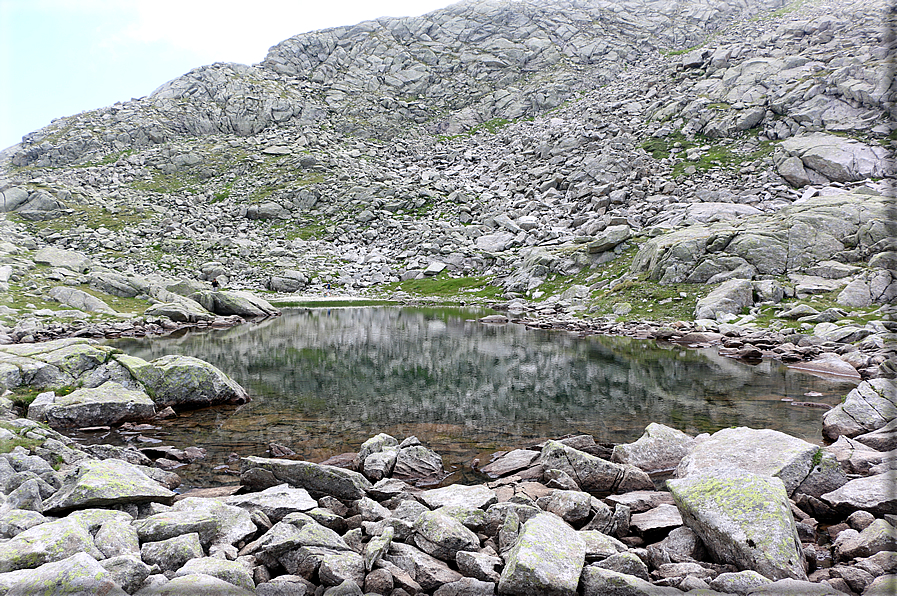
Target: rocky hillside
point(608, 158)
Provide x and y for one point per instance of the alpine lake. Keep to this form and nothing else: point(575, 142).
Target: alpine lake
point(324, 380)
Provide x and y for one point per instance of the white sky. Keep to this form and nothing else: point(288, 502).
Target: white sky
point(60, 57)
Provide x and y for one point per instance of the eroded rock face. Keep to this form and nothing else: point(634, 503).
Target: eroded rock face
point(341, 483)
point(591, 473)
point(867, 408)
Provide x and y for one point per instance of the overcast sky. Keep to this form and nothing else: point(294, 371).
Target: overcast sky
point(61, 57)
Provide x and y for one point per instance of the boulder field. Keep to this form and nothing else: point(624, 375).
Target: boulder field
point(739, 511)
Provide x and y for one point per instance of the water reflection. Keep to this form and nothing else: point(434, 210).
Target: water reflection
point(325, 380)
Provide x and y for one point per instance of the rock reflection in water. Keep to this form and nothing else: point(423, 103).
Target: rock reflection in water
point(325, 380)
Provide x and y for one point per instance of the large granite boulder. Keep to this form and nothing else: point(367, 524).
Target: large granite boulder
point(591, 473)
point(659, 448)
point(730, 298)
point(443, 536)
point(868, 407)
point(766, 452)
point(80, 300)
point(197, 584)
point(743, 519)
point(78, 574)
point(477, 496)
point(547, 558)
point(184, 382)
point(837, 158)
point(110, 403)
point(233, 572)
point(597, 581)
point(276, 502)
point(53, 364)
point(68, 259)
point(874, 494)
point(182, 311)
point(102, 483)
point(233, 302)
point(316, 478)
point(47, 543)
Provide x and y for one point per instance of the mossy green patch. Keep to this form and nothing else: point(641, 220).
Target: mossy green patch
point(445, 286)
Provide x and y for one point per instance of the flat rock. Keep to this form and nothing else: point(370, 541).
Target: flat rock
point(80, 300)
point(443, 536)
point(57, 257)
point(513, 461)
point(232, 302)
point(729, 298)
point(276, 502)
point(640, 501)
point(604, 582)
point(547, 558)
point(96, 483)
point(108, 404)
point(474, 496)
point(742, 518)
point(827, 365)
point(182, 311)
point(47, 543)
point(197, 584)
point(874, 494)
point(794, 587)
point(659, 519)
point(233, 572)
point(329, 480)
point(837, 158)
point(765, 451)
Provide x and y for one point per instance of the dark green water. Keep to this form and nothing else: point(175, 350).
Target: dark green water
point(323, 381)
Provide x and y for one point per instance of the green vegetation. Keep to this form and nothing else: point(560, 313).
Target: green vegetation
point(719, 153)
point(89, 216)
point(166, 183)
point(24, 396)
point(335, 303)
point(445, 286)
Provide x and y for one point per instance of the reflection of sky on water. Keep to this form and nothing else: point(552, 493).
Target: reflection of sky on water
point(323, 381)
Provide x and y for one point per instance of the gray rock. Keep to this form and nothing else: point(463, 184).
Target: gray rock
point(442, 536)
point(511, 462)
point(660, 519)
point(376, 547)
point(127, 571)
point(879, 536)
point(427, 571)
point(79, 574)
point(380, 465)
point(276, 502)
point(870, 406)
point(480, 566)
point(196, 584)
point(103, 483)
point(659, 448)
point(182, 311)
point(417, 462)
point(233, 572)
point(57, 257)
point(729, 298)
point(547, 559)
point(765, 452)
point(475, 496)
point(874, 494)
point(600, 545)
point(232, 302)
point(173, 553)
point(794, 587)
point(738, 583)
point(885, 585)
point(883, 439)
point(17, 521)
point(117, 537)
point(80, 300)
point(337, 568)
point(604, 582)
point(591, 473)
point(837, 158)
point(322, 479)
point(376, 444)
point(742, 518)
point(184, 381)
point(467, 586)
point(572, 506)
point(108, 404)
point(47, 543)
point(610, 238)
point(627, 563)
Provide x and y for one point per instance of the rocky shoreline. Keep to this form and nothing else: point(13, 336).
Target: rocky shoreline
point(742, 511)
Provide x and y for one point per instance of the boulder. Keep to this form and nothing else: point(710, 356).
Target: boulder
point(476, 496)
point(837, 158)
point(743, 519)
point(883, 439)
point(794, 587)
point(766, 452)
point(729, 298)
point(173, 553)
point(874, 494)
point(317, 478)
point(424, 569)
point(197, 584)
point(80, 300)
point(611, 237)
point(79, 574)
point(657, 521)
point(591, 473)
point(102, 483)
point(659, 448)
point(604, 582)
point(443, 536)
point(184, 382)
point(127, 571)
point(233, 572)
point(513, 461)
point(416, 462)
point(233, 302)
point(547, 558)
point(182, 311)
point(68, 259)
point(108, 404)
point(47, 543)
point(868, 407)
point(276, 502)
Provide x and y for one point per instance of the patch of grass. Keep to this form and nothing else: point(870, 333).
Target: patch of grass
point(445, 286)
point(649, 300)
point(122, 305)
point(90, 216)
point(821, 302)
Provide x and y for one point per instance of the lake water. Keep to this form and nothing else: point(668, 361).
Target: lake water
point(325, 380)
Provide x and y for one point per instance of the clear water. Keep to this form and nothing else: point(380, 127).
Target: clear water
point(325, 380)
